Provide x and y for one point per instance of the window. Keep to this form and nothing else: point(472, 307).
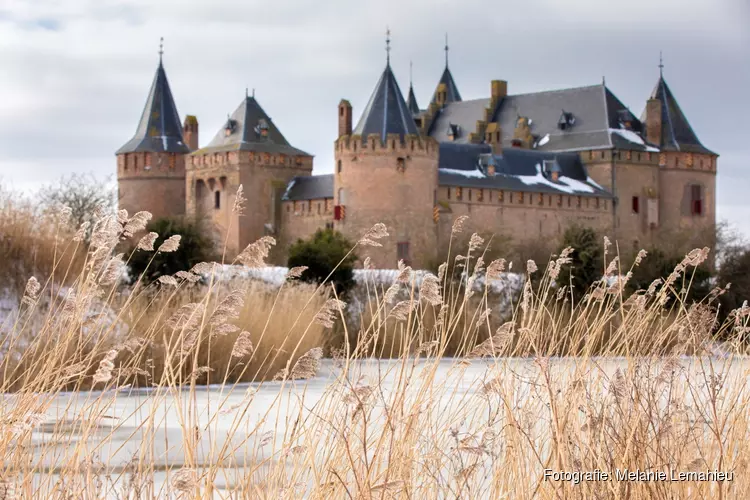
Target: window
point(319, 209)
point(449, 193)
point(469, 194)
point(329, 225)
point(402, 251)
point(342, 196)
point(635, 204)
point(541, 199)
point(696, 200)
point(459, 193)
point(217, 200)
point(338, 166)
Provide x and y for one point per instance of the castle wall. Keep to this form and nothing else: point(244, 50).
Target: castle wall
point(524, 217)
point(154, 182)
point(300, 219)
point(263, 176)
point(394, 183)
point(678, 172)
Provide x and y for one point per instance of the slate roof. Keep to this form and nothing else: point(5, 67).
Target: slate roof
point(676, 132)
point(245, 132)
point(159, 129)
point(386, 112)
point(598, 119)
point(309, 187)
point(515, 170)
point(411, 102)
point(447, 78)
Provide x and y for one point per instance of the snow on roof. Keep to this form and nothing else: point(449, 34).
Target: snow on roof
point(631, 136)
point(465, 173)
point(544, 140)
point(565, 184)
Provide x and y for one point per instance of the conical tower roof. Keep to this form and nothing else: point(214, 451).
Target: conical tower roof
point(676, 132)
point(386, 112)
point(452, 90)
point(159, 130)
point(411, 102)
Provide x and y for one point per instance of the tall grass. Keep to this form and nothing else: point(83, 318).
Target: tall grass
point(611, 382)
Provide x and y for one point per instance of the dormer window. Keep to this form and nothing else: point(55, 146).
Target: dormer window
point(261, 129)
point(625, 119)
point(230, 127)
point(453, 131)
point(566, 121)
point(551, 170)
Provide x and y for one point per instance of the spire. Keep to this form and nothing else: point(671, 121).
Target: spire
point(411, 100)
point(446, 50)
point(386, 112)
point(676, 132)
point(661, 66)
point(161, 48)
point(388, 46)
point(159, 129)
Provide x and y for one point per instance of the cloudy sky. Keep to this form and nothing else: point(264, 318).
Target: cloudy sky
point(74, 74)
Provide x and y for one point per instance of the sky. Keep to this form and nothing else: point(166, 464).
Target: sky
point(74, 74)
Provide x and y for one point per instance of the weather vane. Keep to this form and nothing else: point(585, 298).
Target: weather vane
point(446, 50)
point(661, 65)
point(388, 45)
point(161, 47)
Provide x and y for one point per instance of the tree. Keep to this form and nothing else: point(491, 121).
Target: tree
point(735, 269)
point(196, 245)
point(659, 263)
point(321, 254)
point(84, 194)
point(586, 266)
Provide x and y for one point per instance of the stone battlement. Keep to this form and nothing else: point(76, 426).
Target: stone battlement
point(409, 144)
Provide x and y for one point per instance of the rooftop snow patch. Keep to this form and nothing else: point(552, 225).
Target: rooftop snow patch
point(564, 184)
point(631, 136)
point(465, 173)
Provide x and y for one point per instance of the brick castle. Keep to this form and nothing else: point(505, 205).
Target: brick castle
point(521, 165)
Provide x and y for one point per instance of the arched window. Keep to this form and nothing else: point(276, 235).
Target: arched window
point(217, 200)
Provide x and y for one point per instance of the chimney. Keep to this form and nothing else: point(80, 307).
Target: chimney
point(498, 89)
point(653, 121)
point(190, 132)
point(345, 118)
point(441, 95)
point(492, 137)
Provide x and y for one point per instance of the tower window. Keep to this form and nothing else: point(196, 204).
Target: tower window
point(402, 251)
point(696, 199)
point(217, 200)
point(338, 166)
point(635, 204)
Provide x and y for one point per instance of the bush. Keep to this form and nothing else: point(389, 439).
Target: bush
point(325, 250)
point(586, 266)
point(658, 264)
point(196, 245)
point(735, 269)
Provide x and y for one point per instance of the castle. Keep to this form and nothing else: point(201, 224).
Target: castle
point(521, 165)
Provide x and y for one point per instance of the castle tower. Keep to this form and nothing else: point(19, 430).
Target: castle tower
point(687, 169)
point(386, 172)
point(151, 165)
point(248, 150)
point(446, 90)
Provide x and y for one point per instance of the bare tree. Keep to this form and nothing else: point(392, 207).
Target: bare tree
point(83, 194)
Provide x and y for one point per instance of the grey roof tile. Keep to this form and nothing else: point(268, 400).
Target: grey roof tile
point(159, 129)
point(243, 132)
point(309, 187)
point(515, 170)
point(597, 117)
point(386, 112)
point(677, 134)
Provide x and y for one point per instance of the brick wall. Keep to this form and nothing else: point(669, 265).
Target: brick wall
point(151, 181)
point(394, 183)
point(300, 220)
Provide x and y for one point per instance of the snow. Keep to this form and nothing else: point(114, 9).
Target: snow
point(477, 174)
point(164, 142)
point(544, 140)
point(631, 136)
point(564, 184)
point(289, 188)
point(593, 183)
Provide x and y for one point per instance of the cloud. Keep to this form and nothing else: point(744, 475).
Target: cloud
point(76, 73)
